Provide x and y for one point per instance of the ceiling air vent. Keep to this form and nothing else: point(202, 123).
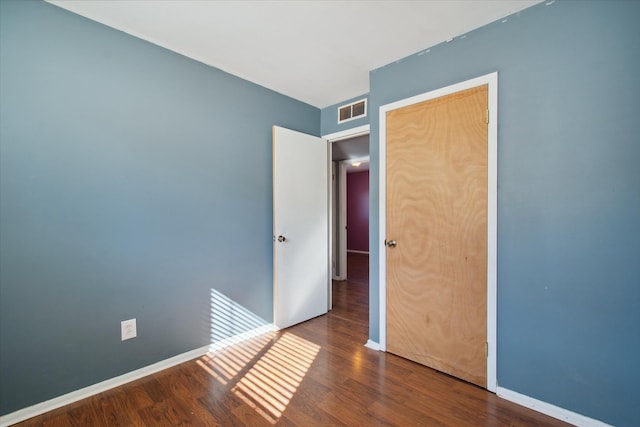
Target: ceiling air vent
point(352, 111)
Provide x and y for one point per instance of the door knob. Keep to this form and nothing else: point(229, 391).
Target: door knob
point(390, 243)
point(281, 239)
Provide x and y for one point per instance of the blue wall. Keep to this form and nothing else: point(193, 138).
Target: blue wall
point(133, 182)
point(568, 196)
point(329, 117)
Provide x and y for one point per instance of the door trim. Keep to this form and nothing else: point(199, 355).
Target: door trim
point(492, 214)
point(347, 134)
point(342, 250)
point(342, 221)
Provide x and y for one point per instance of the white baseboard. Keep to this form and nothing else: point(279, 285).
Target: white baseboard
point(358, 252)
point(83, 393)
point(549, 409)
point(373, 345)
point(242, 337)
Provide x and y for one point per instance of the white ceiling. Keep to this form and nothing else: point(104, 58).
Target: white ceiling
point(352, 148)
point(319, 52)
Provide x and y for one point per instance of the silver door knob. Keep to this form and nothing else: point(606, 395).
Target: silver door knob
point(281, 239)
point(390, 243)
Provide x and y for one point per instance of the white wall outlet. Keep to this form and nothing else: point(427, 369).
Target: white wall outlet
point(128, 329)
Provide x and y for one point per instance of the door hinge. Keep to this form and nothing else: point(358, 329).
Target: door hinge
point(487, 118)
point(486, 349)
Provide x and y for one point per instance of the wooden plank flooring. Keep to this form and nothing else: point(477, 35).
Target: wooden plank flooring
point(315, 373)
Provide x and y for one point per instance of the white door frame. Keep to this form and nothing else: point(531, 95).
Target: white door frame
point(492, 217)
point(342, 243)
point(335, 272)
point(341, 225)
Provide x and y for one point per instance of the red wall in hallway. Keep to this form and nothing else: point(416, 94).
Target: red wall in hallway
point(358, 211)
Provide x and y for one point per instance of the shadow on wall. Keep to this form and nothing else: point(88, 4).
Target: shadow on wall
point(231, 323)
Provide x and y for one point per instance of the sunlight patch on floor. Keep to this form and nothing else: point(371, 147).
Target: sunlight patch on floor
point(273, 380)
point(264, 372)
point(260, 366)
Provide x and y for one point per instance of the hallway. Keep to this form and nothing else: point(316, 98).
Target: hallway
point(351, 296)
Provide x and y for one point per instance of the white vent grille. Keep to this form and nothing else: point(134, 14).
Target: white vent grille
point(352, 111)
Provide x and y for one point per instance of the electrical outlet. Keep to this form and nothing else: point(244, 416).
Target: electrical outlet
point(128, 329)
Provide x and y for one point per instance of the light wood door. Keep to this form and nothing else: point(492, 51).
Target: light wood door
point(436, 204)
point(300, 227)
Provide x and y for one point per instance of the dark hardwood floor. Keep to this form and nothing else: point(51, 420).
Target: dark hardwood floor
point(358, 267)
point(315, 373)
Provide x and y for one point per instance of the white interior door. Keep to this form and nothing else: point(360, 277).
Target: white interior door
point(301, 268)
